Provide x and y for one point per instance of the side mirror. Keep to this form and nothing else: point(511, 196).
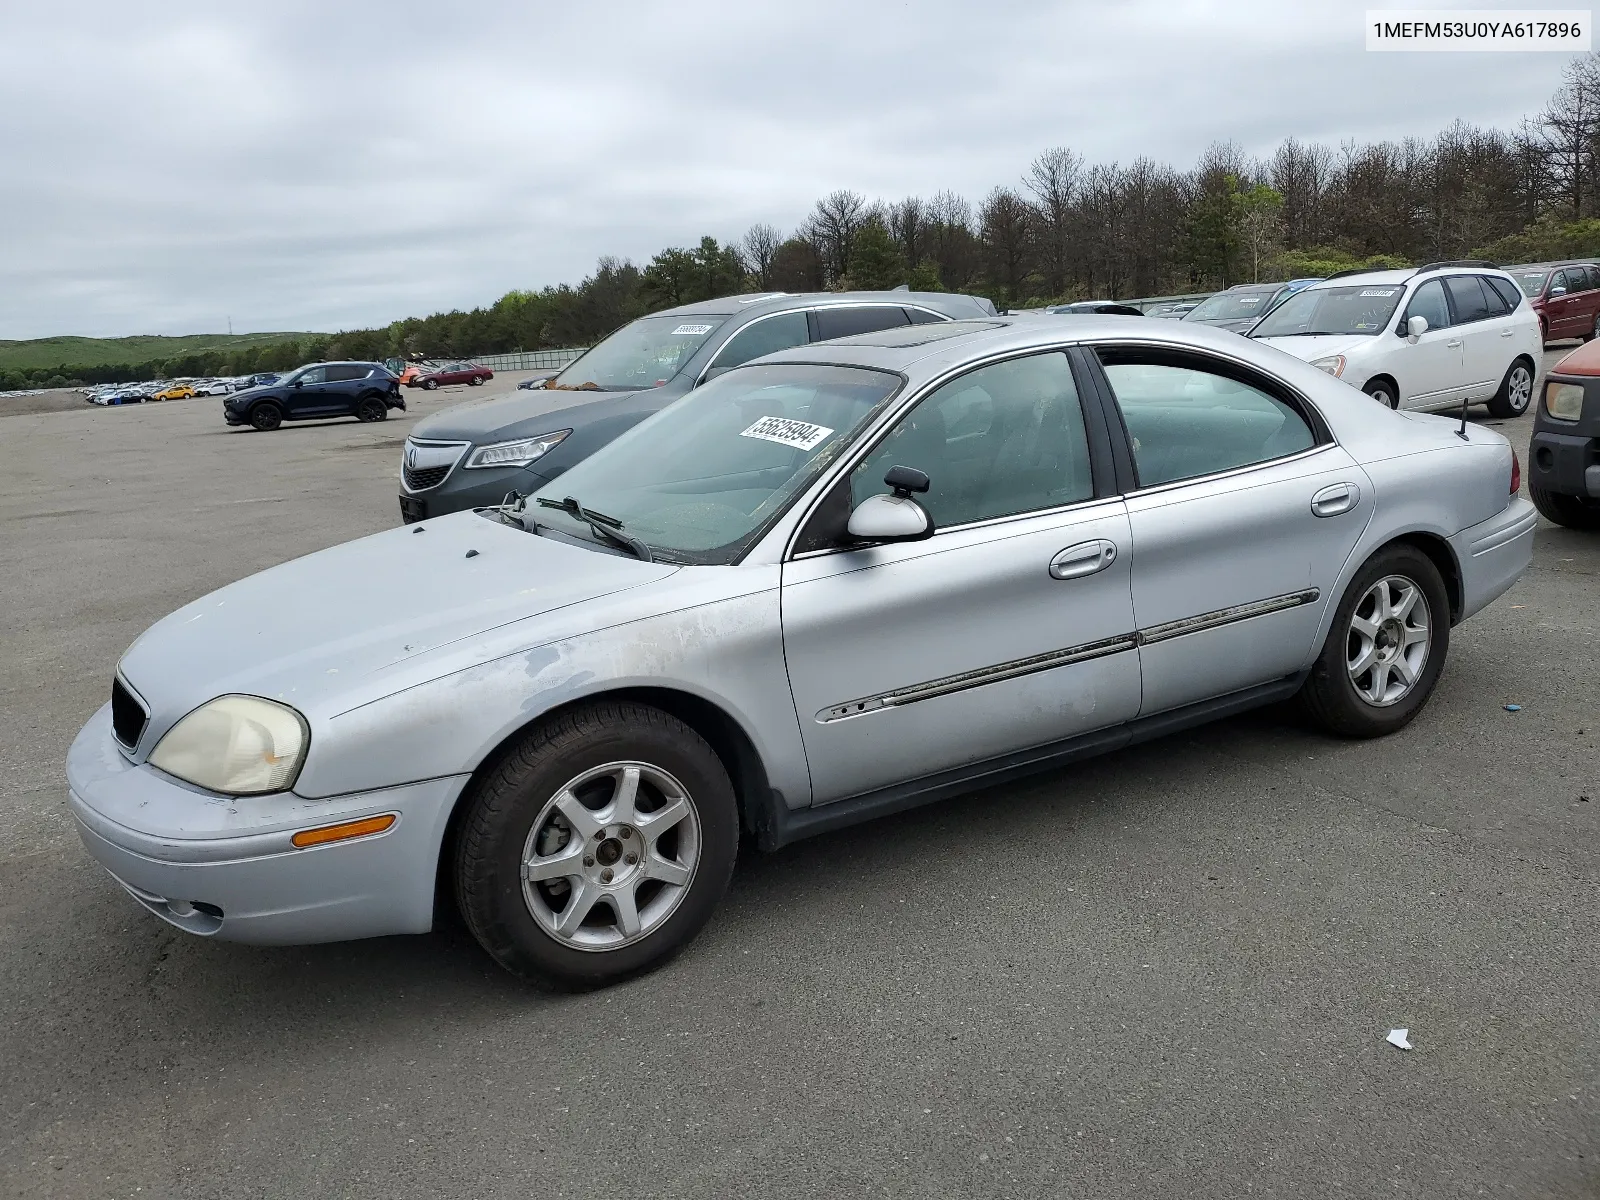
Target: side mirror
point(1557, 291)
point(896, 518)
point(1416, 327)
point(299, 383)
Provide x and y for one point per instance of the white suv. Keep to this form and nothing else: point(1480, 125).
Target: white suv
point(1422, 338)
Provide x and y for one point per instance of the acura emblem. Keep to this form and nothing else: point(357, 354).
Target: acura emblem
point(411, 457)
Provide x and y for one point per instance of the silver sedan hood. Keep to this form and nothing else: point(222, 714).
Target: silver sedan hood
point(320, 631)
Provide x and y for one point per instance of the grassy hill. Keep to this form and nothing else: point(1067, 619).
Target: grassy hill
point(90, 352)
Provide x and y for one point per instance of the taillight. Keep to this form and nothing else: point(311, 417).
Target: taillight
point(1516, 474)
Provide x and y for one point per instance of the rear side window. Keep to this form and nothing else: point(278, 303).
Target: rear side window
point(1466, 294)
point(766, 336)
point(843, 322)
point(341, 374)
point(921, 316)
point(1506, 290)
point(1186, 421)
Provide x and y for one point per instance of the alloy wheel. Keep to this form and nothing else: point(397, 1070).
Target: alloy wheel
point(611, 856)
point(1388, 641)
point(1519, 388)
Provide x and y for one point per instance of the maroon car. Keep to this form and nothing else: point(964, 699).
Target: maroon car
point(1565, 295)
point(455, 372)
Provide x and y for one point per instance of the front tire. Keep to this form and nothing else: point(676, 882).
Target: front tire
point(266, 416)
point(1516, 391)
point(476, 380)
point(1383, 392)
point(1385, 650)
point(598, 846)
point(1574, 512)
point(430, 384)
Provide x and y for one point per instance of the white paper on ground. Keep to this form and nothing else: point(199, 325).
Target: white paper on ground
point(1397, 1037)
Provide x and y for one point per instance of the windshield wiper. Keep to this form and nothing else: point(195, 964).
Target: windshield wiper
point(603, 527)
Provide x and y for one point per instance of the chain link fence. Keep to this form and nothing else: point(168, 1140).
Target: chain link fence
point(528, 360)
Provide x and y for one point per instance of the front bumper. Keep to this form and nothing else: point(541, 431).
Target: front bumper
point(225, 867)
point(463, 489)
point(1493, 554)
point(1565, 463)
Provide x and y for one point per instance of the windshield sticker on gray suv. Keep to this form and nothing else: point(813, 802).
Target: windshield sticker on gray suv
point(1378, 291)
point(691, 330)
point(802, 435)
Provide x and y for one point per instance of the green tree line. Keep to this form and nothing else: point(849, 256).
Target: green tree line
point(1065, 230)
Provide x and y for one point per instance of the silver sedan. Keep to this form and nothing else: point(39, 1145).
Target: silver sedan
point(829, 585)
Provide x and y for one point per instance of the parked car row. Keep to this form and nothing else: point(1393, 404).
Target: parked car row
point(161, 389)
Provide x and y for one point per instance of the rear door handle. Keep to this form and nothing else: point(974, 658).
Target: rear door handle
point(1339, 498)
point(1507, 332)
point(1086, 558)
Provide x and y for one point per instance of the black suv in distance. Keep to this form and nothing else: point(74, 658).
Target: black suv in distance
point(473, 455)
point(363, 390)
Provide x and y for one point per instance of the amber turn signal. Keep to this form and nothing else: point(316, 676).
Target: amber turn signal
point(342, 831)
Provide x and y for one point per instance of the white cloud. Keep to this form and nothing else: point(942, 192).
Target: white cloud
point(301, 165)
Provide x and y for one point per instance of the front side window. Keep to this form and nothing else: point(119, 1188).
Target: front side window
point(1561, 283)
point(642, 354)
point(1467, 295)
point(311, 375)
point(1428, 302)
point(700, 480)
point(843, 322)
point(766, 336)
point(1001, 440)
point(1185, 422)
point(1349, 308)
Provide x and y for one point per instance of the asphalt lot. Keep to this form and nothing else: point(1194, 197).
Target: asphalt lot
point(1166, 973)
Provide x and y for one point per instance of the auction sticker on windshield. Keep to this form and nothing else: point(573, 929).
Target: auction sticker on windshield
point(802, 435)
point(1378, 291)
point(692, 330)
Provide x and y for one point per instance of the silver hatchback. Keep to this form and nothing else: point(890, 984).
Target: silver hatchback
point(831, 584)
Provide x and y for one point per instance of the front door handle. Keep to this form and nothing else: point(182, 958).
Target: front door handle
point(1507, 332)
point(1339, 498)
point(1086, 558)
point(1455, 345)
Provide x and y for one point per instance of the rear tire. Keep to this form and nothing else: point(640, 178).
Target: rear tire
point(266, 416)
point(1516, 391)
point(1383, 392)
point(1574, 512)
point(518, 872)
point(1371, 679)
point(371, 408)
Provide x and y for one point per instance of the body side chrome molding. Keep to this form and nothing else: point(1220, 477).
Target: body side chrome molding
point(1017, 667)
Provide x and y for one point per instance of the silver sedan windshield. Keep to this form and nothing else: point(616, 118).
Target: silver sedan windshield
point(703, 478)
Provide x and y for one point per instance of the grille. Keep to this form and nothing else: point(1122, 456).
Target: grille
point(127, 715)
point(425, 477)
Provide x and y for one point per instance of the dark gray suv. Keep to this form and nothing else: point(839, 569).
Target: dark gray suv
point(473, 455)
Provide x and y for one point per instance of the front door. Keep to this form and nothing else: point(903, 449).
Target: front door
point(1244, 516)
point(305, 397)
point(1010, 628)
point(1432, 370)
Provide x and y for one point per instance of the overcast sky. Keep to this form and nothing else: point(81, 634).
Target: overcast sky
point(343, 163)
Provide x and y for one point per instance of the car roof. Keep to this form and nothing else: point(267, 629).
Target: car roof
point(1551, 266)
point(1256, 287)
point(902, 349)
point(769, 302)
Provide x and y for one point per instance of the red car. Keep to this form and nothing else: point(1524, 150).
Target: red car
point(1566, 296)
point(456, 372)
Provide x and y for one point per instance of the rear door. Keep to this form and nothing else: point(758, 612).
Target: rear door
point(1588, 307)
point(345, 382)
point(1244, 512)
point(1479, 321)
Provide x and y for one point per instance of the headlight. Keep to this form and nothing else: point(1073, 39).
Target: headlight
point(1563, 401)
point(239, 745)
point(516, 454)
point(1333, 364)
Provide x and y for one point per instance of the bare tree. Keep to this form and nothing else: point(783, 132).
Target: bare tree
point(1053, 179)
point(1571, 128)
point(951, 241)
point(907, 222)
point(832, 228)
point(1005, 227)
point(757, 248)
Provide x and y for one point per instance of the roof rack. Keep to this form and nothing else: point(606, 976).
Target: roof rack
point(1458, 262)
